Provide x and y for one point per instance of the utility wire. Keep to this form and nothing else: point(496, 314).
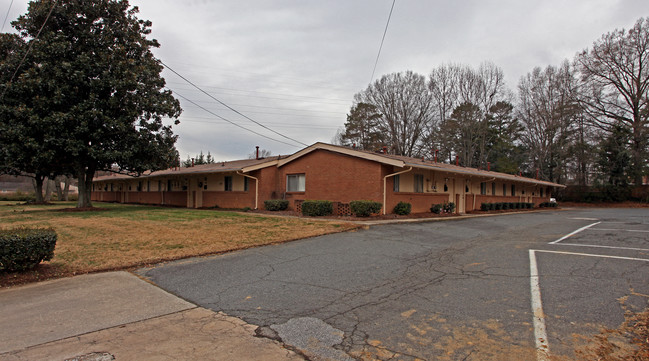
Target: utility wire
point(382, 39)
point(31, 44)
point(231, 122)
point(6, 16)
point(229, 107)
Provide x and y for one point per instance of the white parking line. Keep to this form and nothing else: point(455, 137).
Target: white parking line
point(613, 229)
point(600, 246)
point(586, 219)
point(540, 334)
point(594, 255)
point(575, 232)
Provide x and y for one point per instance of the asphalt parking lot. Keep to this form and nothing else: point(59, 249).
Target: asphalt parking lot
point(511, 287)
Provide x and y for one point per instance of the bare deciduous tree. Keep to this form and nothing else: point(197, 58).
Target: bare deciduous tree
point(547, 110)
point(406, 109)
point(615, 86)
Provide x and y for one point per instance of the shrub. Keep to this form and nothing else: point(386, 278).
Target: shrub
point(24, 248)
point(530, 205)
point(364, 208)
point(315, 208)
point(18, 196)
point(484, 207)
point(402, 208)
point(436, 208)
point(276, 204)
point(505, 205)
point(448, 207)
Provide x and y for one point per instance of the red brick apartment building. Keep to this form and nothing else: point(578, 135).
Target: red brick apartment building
point(326, 172)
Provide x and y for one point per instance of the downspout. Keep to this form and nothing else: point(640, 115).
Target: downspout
point(385, 187)
point(256, 188)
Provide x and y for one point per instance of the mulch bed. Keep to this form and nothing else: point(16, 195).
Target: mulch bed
point(381, 217)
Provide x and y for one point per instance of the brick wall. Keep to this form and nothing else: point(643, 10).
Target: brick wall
point(420, 202)
point(178, 199)
point(333, 176)
point(229, 199)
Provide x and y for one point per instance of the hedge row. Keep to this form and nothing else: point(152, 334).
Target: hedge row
point(403, 208)
point(317, 208)
point(446, 207)
point(505, 205)
point(24, 248)
point(276, 205)
point(548, 205)
point(364, 208)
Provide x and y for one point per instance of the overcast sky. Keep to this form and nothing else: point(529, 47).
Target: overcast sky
point(295, 66)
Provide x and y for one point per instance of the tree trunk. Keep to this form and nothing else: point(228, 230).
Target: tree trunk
point(66, 189)
point(85, 176)
point(57, 186)
point(636, 150)
point(38, 187)
point(48, 190)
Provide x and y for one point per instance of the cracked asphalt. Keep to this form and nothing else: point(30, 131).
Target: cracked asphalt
point(451, 290)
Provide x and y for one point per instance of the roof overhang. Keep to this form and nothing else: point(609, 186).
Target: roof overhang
point(486, 175)
point(341, 150)
point(259, 166)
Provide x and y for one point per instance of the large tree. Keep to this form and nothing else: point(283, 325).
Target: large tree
point(93, 86)
point(547, 110)
point(361, 127)
point(615, 87)
point(404, 102)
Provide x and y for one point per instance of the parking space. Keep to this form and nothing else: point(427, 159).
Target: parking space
point(452, 290)
point(607, 261)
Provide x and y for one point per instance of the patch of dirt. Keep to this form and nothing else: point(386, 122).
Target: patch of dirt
point(42, 272)
point(629, 342)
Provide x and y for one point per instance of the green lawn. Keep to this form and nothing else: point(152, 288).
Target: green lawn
point(120, 236)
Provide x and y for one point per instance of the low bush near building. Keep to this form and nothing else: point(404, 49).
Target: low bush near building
point(448, 207)
point(276, 204)
point(506, 205)
point(402, 208)
point(436, 208)
point(23, 248)
point(317, 208)
point(364, 208)
point(548, 205)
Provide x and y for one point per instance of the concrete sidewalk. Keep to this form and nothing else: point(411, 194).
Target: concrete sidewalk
point(117, 316)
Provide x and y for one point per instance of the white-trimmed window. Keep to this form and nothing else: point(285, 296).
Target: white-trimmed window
point(419, 183)
point(395, 186)
point(295, 182)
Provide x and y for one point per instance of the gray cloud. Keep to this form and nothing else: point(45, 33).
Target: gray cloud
point(295, 65)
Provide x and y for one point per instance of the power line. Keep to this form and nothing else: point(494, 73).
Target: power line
point(208, 120)
point(382, 39)
point(232, 109)
point(31, 44)
point(272, 93)
point(233, 123)
point(6, 16)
